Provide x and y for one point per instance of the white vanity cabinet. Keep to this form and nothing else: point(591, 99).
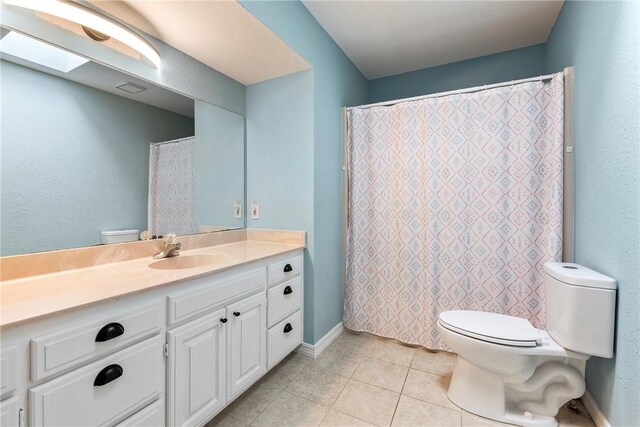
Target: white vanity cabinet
point(196, 369)
point(171, 355)
point(247, 343)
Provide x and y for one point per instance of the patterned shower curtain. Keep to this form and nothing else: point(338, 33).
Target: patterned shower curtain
point(454, 203)
point(172, 205)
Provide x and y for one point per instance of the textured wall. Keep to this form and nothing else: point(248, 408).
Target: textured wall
point(280, 163)
point(75, 160)
point(511, 65)
point(602, 41)
point(336, 83)
point(220, 175)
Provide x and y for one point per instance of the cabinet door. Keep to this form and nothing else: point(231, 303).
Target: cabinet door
point(247, 342)
point(196, 380)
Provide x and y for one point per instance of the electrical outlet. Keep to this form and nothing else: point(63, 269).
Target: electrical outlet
point(255, 211)
point(237, 210)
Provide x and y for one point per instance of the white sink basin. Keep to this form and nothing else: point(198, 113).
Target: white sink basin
point(188, 261)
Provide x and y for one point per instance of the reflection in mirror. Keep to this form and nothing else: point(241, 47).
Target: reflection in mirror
point(91, 155)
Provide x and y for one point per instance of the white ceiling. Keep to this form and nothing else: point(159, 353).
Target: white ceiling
point(221, 34)
point(384, 38)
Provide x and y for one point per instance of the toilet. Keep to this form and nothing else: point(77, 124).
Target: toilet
point(511, 372)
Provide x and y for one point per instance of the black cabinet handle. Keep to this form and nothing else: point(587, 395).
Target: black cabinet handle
point(288, 268)
point(108, 374)
point(288, 290)
point(236, 313)
point(288, 328)
point(223, 320)
point(109, 332)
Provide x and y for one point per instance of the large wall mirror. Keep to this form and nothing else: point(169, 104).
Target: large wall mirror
point(88, 149)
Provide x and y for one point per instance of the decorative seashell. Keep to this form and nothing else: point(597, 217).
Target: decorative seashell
point(145, 235)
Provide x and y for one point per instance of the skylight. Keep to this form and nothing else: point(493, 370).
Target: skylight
point(37, 52)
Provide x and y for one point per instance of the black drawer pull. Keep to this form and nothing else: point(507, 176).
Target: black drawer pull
point(288, 290)
point(288, 268)
point(223, 320)
point(109, 332)
point(288, 328)
point(236, 313)
point(108, 374)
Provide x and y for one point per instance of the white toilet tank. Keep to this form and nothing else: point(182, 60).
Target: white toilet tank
point(580, 307)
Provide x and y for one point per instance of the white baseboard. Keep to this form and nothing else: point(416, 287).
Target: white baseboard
point(313, 351)
point(592, 408)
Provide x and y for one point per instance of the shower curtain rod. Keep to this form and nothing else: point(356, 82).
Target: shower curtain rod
point(454, 92)
point(173, 141)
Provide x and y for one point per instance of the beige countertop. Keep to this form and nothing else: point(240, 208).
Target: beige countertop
point(33, 297)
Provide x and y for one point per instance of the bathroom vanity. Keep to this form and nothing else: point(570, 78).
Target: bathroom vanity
point(146, 342)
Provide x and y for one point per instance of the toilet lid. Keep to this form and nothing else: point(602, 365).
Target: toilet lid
point(492, 327)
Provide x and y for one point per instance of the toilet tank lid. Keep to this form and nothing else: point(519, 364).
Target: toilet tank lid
point(578, 275)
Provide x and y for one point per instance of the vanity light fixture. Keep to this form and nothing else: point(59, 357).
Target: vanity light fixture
point(96, 24)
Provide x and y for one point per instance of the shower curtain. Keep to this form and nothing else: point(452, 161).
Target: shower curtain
point(454, 203)
point(172, 205)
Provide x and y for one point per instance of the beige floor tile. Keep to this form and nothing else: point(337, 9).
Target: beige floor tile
point(357, 344)
point(574, 418)
point(252, 402)
point(471, 420)
point(297, 357)
point(391, 351)
point(366, 402)
point(224, 420)
point(414, 413)
point(338, 419)
point(335, 360)
point(283, 373)
point(318, 385)
point(289, 410)
point(382, 374)
point(435, 362)
point(428, 387)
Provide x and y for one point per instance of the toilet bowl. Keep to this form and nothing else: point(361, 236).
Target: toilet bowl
point(509, 371)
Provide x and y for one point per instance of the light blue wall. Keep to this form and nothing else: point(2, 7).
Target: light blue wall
point(280, 163)
point(336, 83)
point(179, 71)
point(75, 160)
point(602, 41)
point(500, 67)
point(219, 163)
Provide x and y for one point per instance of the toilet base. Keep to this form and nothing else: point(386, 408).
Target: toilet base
point(483, 393)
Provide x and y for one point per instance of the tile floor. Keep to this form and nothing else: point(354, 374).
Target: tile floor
point(361, 380)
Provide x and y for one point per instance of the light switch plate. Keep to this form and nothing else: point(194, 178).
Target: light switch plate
point(255, 210)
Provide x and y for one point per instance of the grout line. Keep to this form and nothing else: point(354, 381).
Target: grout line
point(401, 390)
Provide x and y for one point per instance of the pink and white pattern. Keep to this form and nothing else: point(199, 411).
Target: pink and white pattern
point(172, 203)
point(454, 203)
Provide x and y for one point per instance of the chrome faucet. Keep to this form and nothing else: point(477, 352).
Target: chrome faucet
point(171, 247)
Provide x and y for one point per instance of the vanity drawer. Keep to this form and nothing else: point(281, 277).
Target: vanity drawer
point(151, 416)
point(215, 294)
point(283, 300)
point(283, 270)
point(65, 349)
point(283, 338)
point(95, 394)
point(8, 371)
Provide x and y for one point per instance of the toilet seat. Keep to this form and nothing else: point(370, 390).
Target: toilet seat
point(492, 327)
